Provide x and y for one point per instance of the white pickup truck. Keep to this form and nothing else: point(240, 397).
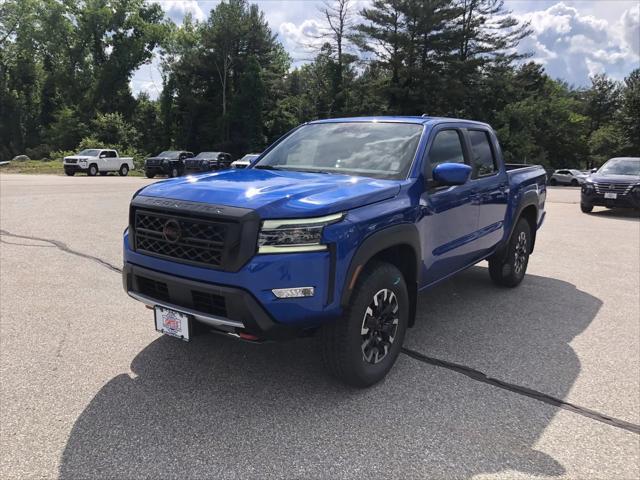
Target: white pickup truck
point(97, 160)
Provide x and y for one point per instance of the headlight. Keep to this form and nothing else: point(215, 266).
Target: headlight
point(165, 162)
point(587, 187)
point(294, 235)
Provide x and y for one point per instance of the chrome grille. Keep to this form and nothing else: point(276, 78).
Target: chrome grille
point(612, 187)
point(198, 241)
point(71, 160)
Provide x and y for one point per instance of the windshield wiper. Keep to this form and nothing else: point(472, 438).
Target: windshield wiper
point(267, 167)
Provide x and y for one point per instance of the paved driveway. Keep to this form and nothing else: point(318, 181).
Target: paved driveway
point(543, 380)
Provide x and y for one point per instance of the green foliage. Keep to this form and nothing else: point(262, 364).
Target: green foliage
point(65, 69)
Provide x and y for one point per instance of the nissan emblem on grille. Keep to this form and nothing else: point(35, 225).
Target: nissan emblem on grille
point(172, 231)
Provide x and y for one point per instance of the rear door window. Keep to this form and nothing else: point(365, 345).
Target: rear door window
point(483, 160)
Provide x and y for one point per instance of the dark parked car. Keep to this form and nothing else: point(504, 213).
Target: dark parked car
point(208, 161)
point(245, 161)
point(169, 163)
point(616, 184)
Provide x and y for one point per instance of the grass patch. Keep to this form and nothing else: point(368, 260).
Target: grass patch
point(52, 167)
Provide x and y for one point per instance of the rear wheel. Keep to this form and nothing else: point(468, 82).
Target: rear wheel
point(124, 170)
point(508, 269)
point(93, 170)
point(360, 348)
point(586, 208)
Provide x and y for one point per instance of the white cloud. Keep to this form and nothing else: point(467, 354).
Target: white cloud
point(630, 23)
point(177, 9)
point(574, 45)
point(301, 41)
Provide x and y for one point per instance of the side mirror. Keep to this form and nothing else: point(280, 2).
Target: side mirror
point(448, 174)
point(594, 170)
point(103, 155)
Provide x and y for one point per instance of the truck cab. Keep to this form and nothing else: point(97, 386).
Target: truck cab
point(333, 232)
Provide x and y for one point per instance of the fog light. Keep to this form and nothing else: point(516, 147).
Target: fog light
point(294, 292)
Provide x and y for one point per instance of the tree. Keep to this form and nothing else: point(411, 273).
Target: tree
point(630, 114)
point(602, 101)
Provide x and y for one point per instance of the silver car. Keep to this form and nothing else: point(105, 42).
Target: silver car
point(571, 177)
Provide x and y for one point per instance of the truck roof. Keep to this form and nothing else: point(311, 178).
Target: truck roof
point(421, 120)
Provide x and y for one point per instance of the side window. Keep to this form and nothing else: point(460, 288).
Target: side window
point(446, 148)
point(111, 154)
point(482, 159)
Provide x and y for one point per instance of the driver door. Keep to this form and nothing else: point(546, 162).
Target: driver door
point(449, 214)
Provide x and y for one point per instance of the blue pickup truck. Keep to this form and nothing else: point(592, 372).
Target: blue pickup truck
point(333, 231)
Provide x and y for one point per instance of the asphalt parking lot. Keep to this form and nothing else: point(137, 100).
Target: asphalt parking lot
point(90, 390)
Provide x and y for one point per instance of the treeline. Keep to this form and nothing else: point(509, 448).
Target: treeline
point(65, 68)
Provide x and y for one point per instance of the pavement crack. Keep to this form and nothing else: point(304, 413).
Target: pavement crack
point(524, 391)
point(60, 245)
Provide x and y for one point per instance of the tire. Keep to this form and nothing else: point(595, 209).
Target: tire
point(347, 349)
point(149, 174)
point(103, 174)
point(508, 269)
point(586, 208)
point(574, 183)
point(69, 173)
point(174, 172)
point(93, 170)
point(124, 170)
point(553, 182)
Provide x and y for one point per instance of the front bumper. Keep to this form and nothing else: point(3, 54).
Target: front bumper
point(226, 309)
point(74, 168)
point(628, 200)
point(247, 297)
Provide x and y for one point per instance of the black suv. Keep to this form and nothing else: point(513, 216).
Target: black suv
point(208, 161)
point(169, 163)
point(616, 184)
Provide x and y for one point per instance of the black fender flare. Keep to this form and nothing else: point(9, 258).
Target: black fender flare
point(393, 236)
point(530, 199)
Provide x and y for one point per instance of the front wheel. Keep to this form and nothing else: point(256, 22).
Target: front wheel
point(586, 208)
point(149, 174)
point(508, 269)
point(574, 183)
point(93, 170)
point(360, 348)
point(69, 173)
point(124, 170)
point(174, 172)
point(553, 182)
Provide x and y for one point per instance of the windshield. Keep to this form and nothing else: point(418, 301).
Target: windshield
point(90, 152)
point(169, 154)
point(622, 166)
point(207, 155)
point(370, 149)
point(250, 157)
point(577, 173)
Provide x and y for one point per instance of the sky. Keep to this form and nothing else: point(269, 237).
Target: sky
point(573, 39)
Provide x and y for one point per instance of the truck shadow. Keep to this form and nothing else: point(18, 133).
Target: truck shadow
point(224, 409)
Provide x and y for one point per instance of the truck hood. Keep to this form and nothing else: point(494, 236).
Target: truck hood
point(78, 157)
point(277, 194)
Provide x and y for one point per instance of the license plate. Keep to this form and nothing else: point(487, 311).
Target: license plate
point(611, 195)
point(173, 323)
